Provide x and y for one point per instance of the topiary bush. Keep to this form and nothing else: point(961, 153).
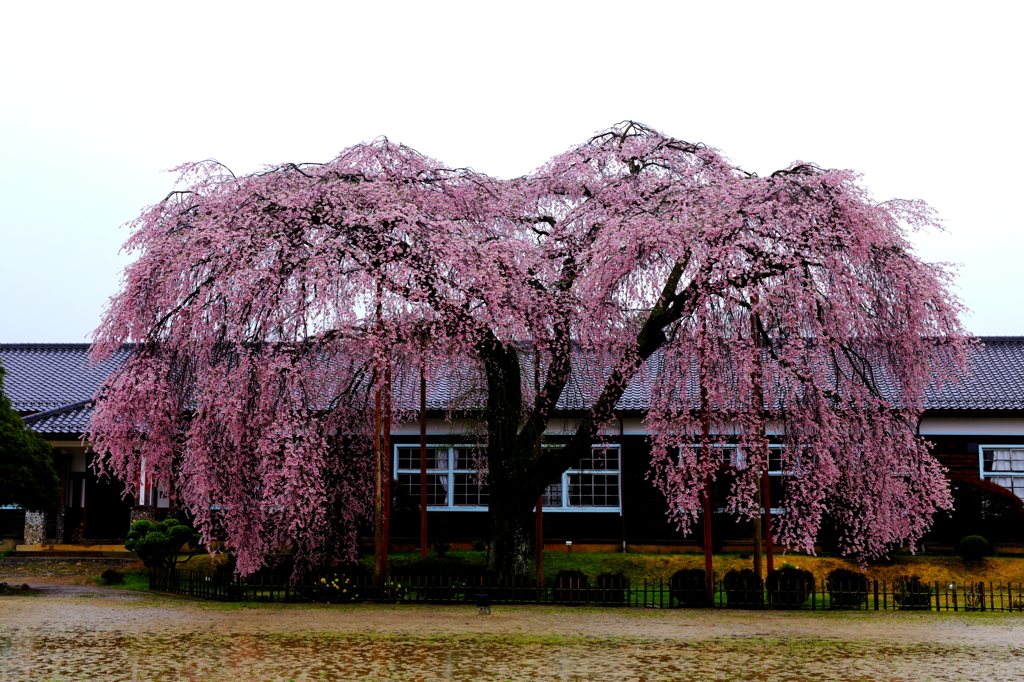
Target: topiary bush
point(570, 587)
point(743, 589)
point(687, 587)
point(158, 543)
point(973, 548)
point(910, 593)
point(846, 589)
point(611, 589)
point(789, 587)
point(979, 507)
point(112, 576)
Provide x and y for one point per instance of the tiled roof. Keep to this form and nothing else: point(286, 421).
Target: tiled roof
point(57, 380)
point(67, 422)
point(995, 382)
point(44, 376)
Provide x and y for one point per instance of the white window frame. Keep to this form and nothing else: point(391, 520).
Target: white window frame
point(451, 471)
point(734, 459)
point(563, 482)
point(985, 475)
point(732, 462)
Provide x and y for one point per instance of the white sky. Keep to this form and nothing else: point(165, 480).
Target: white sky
point(96, 99)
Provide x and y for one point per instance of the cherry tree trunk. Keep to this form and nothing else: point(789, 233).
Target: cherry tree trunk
point(513, 524)
point(513, 494)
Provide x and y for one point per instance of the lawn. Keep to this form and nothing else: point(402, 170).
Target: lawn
point(637, 567)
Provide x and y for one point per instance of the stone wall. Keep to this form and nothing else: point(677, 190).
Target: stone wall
point(148, 514)
point(59, 525)
point(35, 527)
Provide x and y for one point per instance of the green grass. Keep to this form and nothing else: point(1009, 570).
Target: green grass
point(134, 579)
point(638, 567)
point(633, 566)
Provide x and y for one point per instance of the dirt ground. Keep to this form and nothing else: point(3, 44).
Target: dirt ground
point(74, 631)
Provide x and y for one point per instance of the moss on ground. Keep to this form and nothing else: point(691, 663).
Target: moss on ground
point(653, 566)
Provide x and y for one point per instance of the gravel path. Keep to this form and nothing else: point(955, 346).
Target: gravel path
point(78, 632)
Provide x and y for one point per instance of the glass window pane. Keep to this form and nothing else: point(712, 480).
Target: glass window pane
point(409, 458)
point(735, 457)
point(437, 459)
point(775, 460)
point(1018, 486)
point(1017, 460)
point(553, 495)
point(410, 483)
point(601, 459)
point(1001, 460)
point(464, 459)
point(468, 492)
point(437, 488)
point(593, 490)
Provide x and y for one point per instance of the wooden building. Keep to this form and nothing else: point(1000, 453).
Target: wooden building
point(606, 503)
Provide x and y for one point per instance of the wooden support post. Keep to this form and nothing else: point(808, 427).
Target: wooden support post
point(423, 464)
point(757, 532)
point(539, 540)
point(380, 541)
point(762, 496)
point(378, 493)
point(386, 470)
point(622, 479)
point(768, 522)
point(705, 447)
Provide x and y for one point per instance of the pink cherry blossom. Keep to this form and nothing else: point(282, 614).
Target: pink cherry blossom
point(265, 307)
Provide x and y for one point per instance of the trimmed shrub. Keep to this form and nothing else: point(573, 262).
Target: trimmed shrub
point(112, 577)
point(570, 587)
point(158, 543)
point(687, 587)
point(910, 593)
point(441, 548)
point(846, 589)
point(973, 548)
point(611, 589)
point(789, 587)
point(479, 545)
point(979, 507)
point(743, 589)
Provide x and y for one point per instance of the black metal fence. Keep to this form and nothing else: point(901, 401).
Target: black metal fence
point(665, 593)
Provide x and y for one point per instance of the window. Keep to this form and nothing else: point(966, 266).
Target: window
point(735, 457)
point(595, 481)
point(453, 482)
point(1004, 465)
